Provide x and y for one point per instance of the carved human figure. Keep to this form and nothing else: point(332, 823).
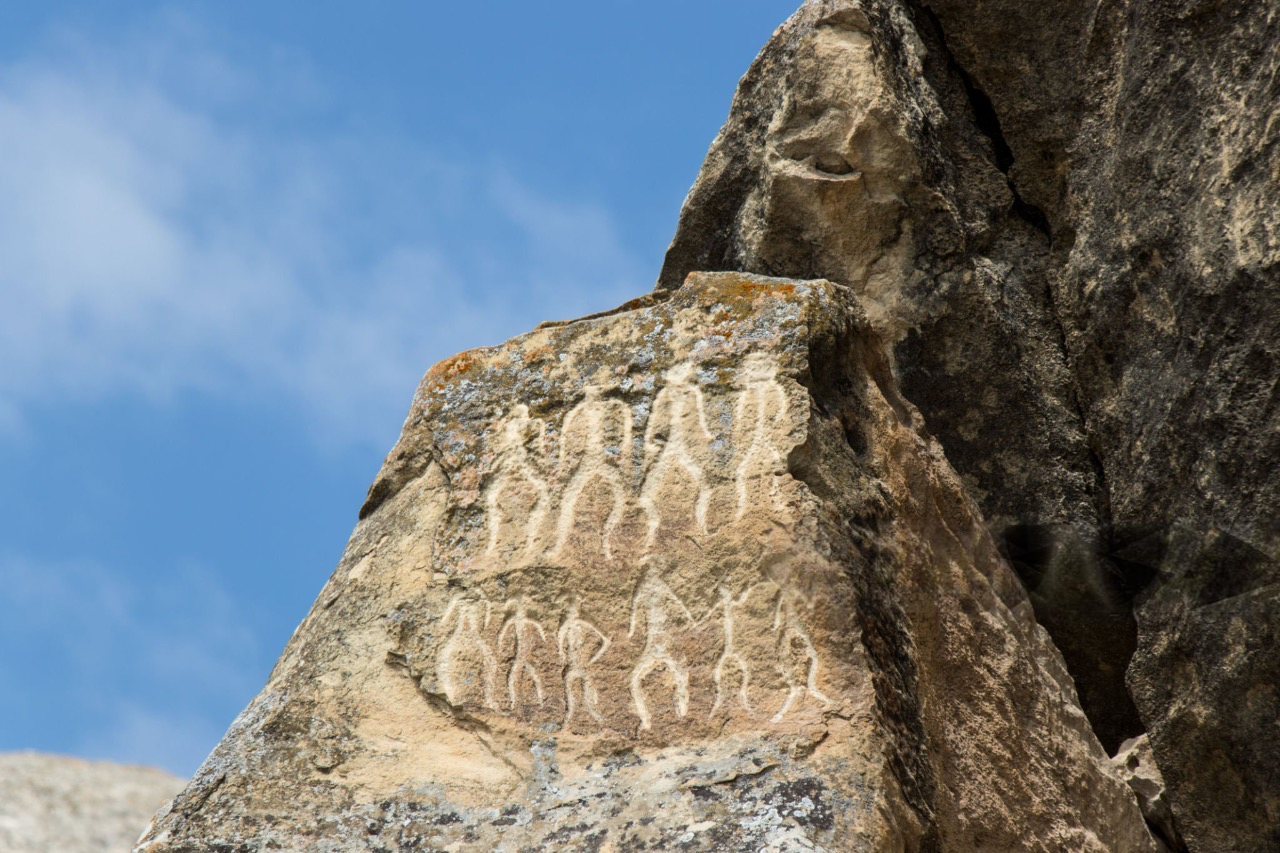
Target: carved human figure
point(655, 602)
point(677, 431)
point(760, 415)
point(466, 653)
point(589, 431)
point(730, 656)
point(797, 657)
point(517, 466)
point(523, 629)
point(580, 645)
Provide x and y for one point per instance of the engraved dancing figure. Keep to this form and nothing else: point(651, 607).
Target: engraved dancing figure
point(585, 451)
point(659, 604)
point(516, 466)
point(470, 618)
point(678, 422)
point(725, 608)
point(573, 643)
point(762, 407)
point(522, 628)
point(795, 639)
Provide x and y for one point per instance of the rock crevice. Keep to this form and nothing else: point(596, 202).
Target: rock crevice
point(940, 459)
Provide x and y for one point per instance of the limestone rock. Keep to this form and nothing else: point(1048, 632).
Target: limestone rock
point(1065, 226)
point(68, 805)
point(688, 575)
point(1138, 767)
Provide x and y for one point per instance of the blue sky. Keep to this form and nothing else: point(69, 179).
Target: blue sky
point(233, 236)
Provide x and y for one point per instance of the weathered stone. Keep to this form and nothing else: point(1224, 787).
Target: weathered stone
point(1138, 768)
point(69, 805)
point(1064, 224)
point(689, 575)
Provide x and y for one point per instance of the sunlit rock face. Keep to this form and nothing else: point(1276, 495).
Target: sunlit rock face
point(1063, 222)
point(696, 574)
point(689, 573)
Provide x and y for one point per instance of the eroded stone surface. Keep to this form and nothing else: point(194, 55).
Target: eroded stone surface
point(685, 576)
point(1064, 223)
point(1138, 768)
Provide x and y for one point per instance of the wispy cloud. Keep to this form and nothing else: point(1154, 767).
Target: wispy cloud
point(169, 223)
point(146, 673)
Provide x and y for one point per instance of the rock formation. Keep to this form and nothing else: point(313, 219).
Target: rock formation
point(1138, 767)
point(964, 334)
point(1064, 224)
point(68, 805)
point(688, 573)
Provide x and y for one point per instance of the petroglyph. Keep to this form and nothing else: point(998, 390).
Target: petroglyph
point(466, 654)
point(677, 437)
point(520, 438)
point(580, 646)
point(586, 455)
point(797, 657)
point(523, 629)
point(760, 415)
point(730, 655)
point(659, 606)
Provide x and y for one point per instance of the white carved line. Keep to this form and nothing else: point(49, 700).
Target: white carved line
point(573, 642)
point(467, 635)
point(522, 628)
point(679, 408)
point(762, 403)
point(580, 645)
point(515, 466)
point(793, 631)
point(593, 418)
point(725, 608)
point(657, 602)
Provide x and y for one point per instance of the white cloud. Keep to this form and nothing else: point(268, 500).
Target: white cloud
point(161, 232)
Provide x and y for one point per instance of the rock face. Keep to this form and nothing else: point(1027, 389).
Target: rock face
point(49, 802)
point(697, 573)
point(1138, 767)
point(1065, 227)
point(689, 575)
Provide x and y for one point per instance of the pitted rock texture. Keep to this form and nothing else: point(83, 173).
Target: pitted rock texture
point(1064, 223)
point(69, 805)
point(1138, 767)
point(689, 575)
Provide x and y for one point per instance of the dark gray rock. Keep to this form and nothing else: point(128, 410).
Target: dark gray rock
point(1067, 220)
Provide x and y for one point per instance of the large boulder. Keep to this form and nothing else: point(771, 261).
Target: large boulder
point(1063, 221)
point(687, 575)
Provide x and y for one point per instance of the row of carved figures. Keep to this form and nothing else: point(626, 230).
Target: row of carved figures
point(595, 444)
point(580, 645)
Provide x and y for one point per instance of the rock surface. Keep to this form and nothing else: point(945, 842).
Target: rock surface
point(1138, 768)
point(1065, 226)
point(697, 574)
point(68, 805)
point(688, 575)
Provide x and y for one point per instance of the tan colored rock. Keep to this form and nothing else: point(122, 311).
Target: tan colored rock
point(69, 805)
point(1063, 217)
point(686, 575)
point(1137, 766)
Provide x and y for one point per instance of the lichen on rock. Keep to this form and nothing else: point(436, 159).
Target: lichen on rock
point(689, 574)
point(766, 559)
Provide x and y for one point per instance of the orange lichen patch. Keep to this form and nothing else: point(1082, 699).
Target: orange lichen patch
point(750, 288)
point(454, 366)
point(538, 353)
